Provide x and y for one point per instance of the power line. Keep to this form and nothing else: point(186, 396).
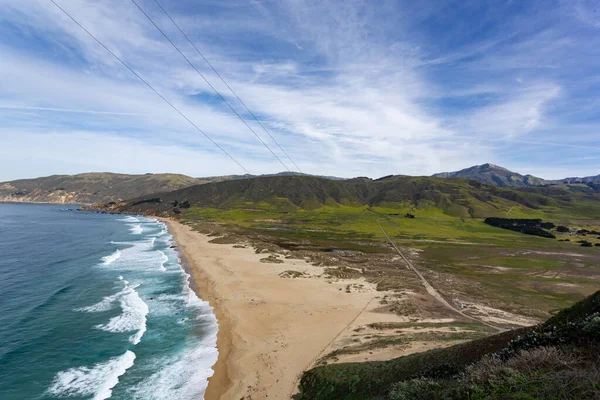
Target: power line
point(150, 86)
point(226, 84)
point(209, 84)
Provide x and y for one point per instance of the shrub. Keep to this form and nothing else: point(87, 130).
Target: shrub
point(527, 226)
point(420, 388)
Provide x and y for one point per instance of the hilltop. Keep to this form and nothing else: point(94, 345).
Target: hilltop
point(499, 176)
point(98, 187)
point(91, 187)
point(493, 175)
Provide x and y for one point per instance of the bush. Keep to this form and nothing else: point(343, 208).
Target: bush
point(527, 226)
point(562, 229)
point(420, 388)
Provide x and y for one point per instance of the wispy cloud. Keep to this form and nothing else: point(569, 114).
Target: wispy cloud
point(347, 88)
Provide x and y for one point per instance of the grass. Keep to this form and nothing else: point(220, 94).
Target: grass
point(462, 256)
point(576, 329)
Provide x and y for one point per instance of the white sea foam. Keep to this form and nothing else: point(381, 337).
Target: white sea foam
point(136, 229)
point(180, 378)
point(106, 260)
point(103, 305)
point(96, 381)
point(139, 257)
point(129, 218)
point(163, 261)
point(132, 317)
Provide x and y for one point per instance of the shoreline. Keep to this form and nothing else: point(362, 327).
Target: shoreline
point(219, 382)
point(43, 203)
point(271, 327)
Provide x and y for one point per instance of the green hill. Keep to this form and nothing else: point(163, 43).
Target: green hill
point(91, 187)
point(455, 197)
point(97, 187)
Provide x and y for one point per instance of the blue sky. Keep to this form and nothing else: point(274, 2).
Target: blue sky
point(347, 88)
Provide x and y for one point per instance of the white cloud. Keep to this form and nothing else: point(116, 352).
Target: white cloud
point(343, 97)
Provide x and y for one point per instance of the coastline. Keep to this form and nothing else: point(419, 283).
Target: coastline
point(219, 382)
point(50, 203)
point(271, 327)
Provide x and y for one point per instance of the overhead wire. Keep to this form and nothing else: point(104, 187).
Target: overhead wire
point(225, 82)
point(209, 84)
point(150, 86)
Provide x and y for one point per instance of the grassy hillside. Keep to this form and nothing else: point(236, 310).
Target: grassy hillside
point(91, 187)
point(103, 187)
point(452, 197)
point(557, 359)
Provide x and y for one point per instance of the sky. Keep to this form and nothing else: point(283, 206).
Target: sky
point(348, 88)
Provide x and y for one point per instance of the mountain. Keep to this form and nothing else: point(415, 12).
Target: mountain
point(249, 176)
point(456, 197)
point(97, 187)
point(584, 180)
point(91, 187)
point(493, 175)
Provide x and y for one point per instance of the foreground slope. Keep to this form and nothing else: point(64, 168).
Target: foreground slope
point(91, 187)
point(556, 359)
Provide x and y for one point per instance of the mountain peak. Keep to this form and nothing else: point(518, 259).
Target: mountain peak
point(492, 174)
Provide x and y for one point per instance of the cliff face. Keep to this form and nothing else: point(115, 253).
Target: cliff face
point(91, 188)
point(10, 193)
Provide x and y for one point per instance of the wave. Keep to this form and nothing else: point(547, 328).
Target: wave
point(129, 218)
point(96, 381)
point(132, 317)
point(182, 377)
point(163, 261)
point(106, 260)
point(136, 229)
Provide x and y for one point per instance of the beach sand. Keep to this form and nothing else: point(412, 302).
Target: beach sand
point(271, 328)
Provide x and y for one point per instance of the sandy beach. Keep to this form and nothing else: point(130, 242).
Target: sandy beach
point(276, 319)
point(271, 328)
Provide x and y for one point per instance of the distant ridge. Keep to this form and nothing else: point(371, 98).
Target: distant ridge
point(494, 175)
point(456, 197)
point(91, 187)
point(250, 176)
point(500, 176)
point(103, 187)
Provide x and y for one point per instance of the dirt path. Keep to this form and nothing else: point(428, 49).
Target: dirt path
point(430, 289)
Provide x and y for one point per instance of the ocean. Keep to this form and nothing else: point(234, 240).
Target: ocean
point(94, 306)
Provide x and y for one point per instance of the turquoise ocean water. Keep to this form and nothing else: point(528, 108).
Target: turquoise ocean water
point(97, 306)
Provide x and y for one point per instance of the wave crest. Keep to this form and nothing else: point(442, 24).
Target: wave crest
point(96, 381)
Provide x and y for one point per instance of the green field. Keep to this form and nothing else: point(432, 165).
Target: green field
point(461, 256)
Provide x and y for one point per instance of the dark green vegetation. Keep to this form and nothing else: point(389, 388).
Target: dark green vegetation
point(395, 194)
point(91, 188)
point(103, 187)
point(529, 226)
point(555, 360)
